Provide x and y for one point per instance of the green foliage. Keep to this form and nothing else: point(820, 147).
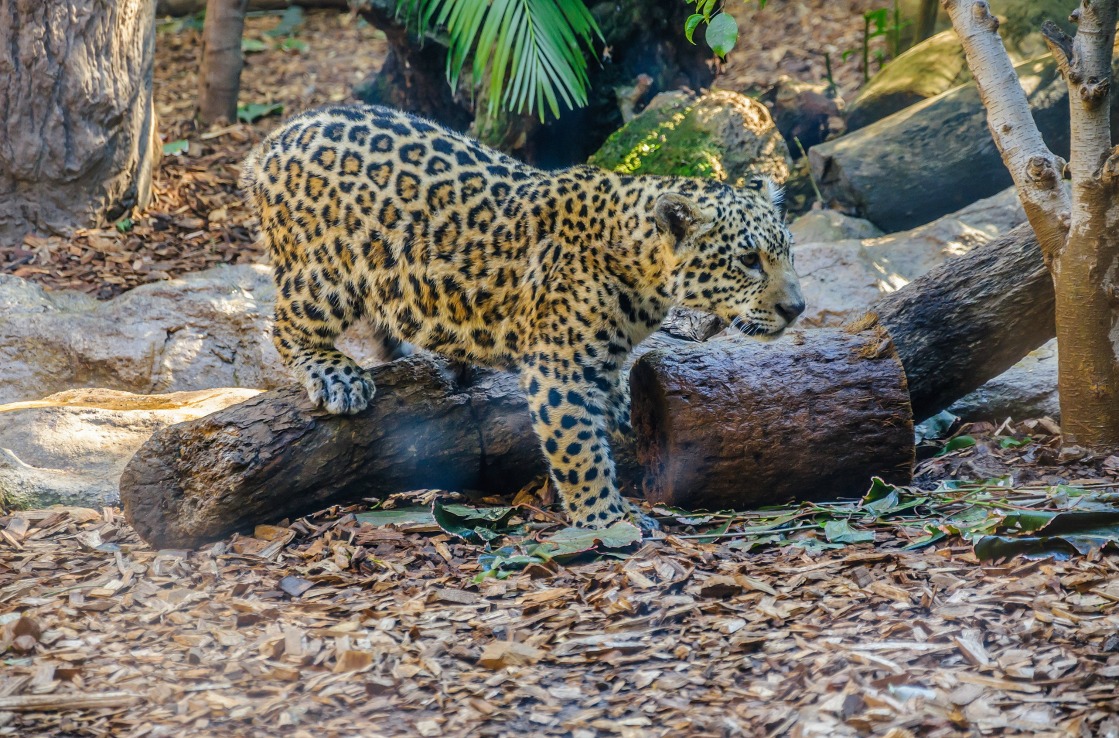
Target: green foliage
point(528, 52)
point(252, 112)
point(722, 27)
point(876, 24)
point(176, 148)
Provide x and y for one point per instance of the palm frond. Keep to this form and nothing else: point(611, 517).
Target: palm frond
point(530, 53)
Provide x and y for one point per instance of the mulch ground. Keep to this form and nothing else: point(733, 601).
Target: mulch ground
point(326, 626)
point(198, 219)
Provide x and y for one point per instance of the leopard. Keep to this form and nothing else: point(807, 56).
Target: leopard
point(439, 242)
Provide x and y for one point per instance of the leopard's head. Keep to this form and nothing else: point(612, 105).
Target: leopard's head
point(733, 254)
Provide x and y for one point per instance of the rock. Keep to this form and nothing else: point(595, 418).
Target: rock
point(805, 113)
point(937, 64)
point(821, 226)
point(722, 135)
point(931, 67)
point(71, 447)
point(1026, 390)
point(937, 156)
point(841, 278)
point(210, 329)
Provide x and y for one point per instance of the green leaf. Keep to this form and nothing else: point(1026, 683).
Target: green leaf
point(474, 524)
point(1013, 442)
point(580, 540)
point(289, 21)
point(294, 44)
point(253, 112)
point(956, 443)
point(704, 8)
point(416, 519)
point(847, 54)
point(176, 148)
point(840, 531)
point(936, 427)
point(722, 34)
point(252, 45)
point(690, 25)
point(124, 225)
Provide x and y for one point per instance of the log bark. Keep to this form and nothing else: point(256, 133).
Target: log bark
point(731, 424)
point(970, 319)
point(77, 127)
point(219, 79)
point(190, 7)
point(275, 456)
point(901, 171)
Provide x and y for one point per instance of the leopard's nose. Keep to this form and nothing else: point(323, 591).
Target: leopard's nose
point(790, 310)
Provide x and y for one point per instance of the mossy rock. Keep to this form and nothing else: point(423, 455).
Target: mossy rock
point(721, 135)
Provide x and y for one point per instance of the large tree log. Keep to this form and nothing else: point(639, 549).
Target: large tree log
point(734, 424)
point(901, 171)
point(275, 457)
point(970, 319)
point(77, 127)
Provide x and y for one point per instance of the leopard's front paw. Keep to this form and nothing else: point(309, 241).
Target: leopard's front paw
point(340, 393)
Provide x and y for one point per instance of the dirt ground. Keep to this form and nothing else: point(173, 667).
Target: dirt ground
point(328, 626)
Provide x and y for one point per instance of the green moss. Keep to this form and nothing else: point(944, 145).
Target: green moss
point(665, 142)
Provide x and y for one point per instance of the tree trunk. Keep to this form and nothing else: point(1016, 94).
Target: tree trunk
point(77, 127)
point(925, 25)
point(970, 319)
point(219, 79)
point(730, 424)
point(900, 172)
point(1079, 236)
point(1086, 269)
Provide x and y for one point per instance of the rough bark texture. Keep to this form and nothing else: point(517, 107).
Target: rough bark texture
point(1035, 168)
point(970, 319)
point(1085, 268)
point(275, 456)
point(642, 36)
point(899, 173)
point(731, 424)
point(219, 79)
point(77, 127)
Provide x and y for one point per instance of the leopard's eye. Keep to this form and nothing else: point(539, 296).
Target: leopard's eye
point(750, 260)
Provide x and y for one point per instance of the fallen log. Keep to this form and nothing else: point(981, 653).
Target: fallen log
point(970, 319)
point(730, 424)
point(275, 457)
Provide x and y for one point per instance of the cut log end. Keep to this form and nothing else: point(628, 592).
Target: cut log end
point(734, 425)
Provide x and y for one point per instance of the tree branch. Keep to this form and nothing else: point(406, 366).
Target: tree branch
point(1087, 67)
point(1037, 171)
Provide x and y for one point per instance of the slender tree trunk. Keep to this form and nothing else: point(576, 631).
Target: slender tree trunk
point(926, 20)
point(1086, 271)
point(1079, 236)
point(219, 79)
point(77, 127)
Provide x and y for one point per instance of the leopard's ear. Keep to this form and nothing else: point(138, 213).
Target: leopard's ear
point(773, 191)
point(678, 216)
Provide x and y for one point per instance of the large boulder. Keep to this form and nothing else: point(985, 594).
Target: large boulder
point(721, 135)
point(70, 448)
point(841, 278)
point(210, 329)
